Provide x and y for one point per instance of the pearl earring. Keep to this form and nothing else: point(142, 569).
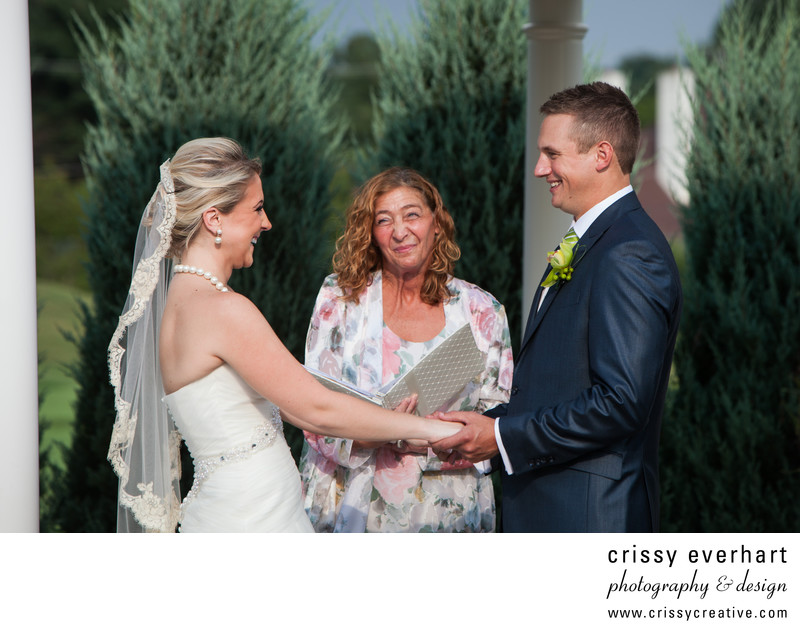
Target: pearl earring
point(218, 240)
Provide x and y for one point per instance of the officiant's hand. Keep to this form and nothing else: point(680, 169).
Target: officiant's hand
point(476, 442)
point(407, 405)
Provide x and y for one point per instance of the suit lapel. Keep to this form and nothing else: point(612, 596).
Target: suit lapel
point(622, 206)
point(535, 316)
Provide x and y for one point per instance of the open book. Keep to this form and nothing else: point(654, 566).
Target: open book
point(436, 379)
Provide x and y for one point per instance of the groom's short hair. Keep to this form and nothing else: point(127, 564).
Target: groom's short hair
point(602, 112)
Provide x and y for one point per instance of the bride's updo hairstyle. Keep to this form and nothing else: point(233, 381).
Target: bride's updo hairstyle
point(207, 172)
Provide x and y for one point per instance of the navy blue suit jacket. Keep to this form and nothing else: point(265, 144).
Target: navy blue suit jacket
point(582, 427)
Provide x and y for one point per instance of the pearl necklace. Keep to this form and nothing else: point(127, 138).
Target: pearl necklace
point(199, 271)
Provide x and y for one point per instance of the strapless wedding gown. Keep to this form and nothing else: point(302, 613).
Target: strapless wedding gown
point(245, 479)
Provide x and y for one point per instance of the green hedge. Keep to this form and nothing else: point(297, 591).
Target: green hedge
point(731, 438)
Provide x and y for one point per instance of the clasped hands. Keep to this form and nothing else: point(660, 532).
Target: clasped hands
point(407, 406)
point(475, 442)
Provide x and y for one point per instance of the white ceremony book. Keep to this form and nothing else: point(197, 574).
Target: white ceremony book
point(436, 379)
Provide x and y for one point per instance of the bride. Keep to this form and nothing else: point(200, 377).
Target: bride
point(193, 359)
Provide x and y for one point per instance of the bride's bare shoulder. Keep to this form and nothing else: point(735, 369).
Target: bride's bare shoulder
point(200, 331)
point(235, 307)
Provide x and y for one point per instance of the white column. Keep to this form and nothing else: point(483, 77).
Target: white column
point(19, 409)
point(674, 118)
point(555, 62)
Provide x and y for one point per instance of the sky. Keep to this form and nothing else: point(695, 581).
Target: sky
point(617, 28)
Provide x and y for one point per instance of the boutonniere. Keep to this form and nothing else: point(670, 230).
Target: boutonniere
point(561, 261)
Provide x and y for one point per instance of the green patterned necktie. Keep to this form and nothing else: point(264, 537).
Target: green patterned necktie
point(570, 238)
point(560, 260)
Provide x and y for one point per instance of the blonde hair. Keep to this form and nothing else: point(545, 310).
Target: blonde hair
point(357, 255)
point(207, 172)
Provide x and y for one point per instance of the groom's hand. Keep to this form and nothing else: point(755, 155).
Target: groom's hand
point(476, 442)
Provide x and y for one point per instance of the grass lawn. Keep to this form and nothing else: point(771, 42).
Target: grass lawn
point(58, 313)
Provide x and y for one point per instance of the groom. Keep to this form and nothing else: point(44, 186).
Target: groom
point(579, 437)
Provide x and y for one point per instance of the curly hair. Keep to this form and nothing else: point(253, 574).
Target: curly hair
point(357, 255)
point(207, 172)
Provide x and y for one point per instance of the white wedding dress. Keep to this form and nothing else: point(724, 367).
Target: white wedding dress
point(245, 479)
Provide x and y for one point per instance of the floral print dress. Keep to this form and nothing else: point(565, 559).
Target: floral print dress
point(380, 490)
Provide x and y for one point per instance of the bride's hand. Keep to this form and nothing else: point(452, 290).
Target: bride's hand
point(413, 446)
point(444, 429)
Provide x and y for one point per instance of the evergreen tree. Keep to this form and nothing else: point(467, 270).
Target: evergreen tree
point(731, 448)
point(59, 103)
point(354, 68)
point(451, 104)
point(172, 71)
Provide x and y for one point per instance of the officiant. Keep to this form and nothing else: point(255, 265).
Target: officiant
point(392, 299)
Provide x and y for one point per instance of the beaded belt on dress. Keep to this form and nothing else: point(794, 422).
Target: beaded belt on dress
point(263, 436)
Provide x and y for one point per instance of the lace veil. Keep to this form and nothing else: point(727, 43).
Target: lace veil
point(145, 445)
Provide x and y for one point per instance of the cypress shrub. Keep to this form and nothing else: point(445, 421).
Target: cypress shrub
point(731, 456)
point(451, 105)
point(176, 70)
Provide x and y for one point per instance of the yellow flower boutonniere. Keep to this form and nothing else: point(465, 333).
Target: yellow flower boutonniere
point(561, 260)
